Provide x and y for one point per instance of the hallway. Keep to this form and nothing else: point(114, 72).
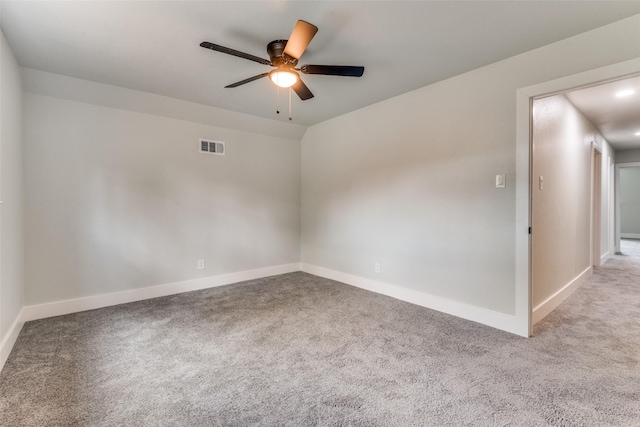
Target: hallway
point(598, 328)
point(604, 313)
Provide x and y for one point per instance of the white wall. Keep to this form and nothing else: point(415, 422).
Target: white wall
point(72, 89)
point(11, 194)
point(409, 182)
point(563, 141)
point(120, 200)
point(630, 202)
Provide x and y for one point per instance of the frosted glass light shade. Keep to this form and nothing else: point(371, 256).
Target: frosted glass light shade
point(283, 78)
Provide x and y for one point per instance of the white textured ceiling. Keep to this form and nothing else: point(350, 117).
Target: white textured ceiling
point(617, 118)
point(153, 46)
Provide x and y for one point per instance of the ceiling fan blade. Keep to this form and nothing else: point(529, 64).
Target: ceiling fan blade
point(250, 79)
point(300, 38)
point(333, 70)
point(234, 52)
point(302, 90)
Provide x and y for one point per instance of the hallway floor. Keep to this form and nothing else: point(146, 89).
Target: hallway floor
point(630, 247)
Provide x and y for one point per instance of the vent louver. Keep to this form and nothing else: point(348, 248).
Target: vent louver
point(212, 147)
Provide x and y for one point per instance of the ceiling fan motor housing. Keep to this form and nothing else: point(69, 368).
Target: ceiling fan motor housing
point(275, 49)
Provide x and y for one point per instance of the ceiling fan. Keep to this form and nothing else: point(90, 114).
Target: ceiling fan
point(284, 56)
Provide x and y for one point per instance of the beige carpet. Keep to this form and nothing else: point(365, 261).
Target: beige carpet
point(298, 350)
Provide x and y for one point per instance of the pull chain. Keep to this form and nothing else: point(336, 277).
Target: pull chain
point(277, 99)
point(289, 103)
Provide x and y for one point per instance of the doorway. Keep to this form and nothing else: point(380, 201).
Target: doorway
point(627, 204)
point(565, 201)
point(527, 182)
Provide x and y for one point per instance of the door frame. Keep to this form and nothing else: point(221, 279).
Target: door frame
point(524, 180)
point(617, 201)
point(611, 227)
point(596, 204)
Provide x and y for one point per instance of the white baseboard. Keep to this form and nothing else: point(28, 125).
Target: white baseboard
point(6, 345)
point(485, 316)
point(548, 305)
point(59, 308)
point(604, 257)
point(630, 235)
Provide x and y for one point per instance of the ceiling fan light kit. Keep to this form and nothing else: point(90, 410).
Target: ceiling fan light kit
point(284, 77)
point(284, 55)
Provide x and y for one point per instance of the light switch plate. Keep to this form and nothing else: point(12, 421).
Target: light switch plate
point(501, 181)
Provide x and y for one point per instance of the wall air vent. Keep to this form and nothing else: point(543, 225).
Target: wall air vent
point(212, 147)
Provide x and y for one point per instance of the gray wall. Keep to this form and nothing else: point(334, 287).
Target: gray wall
point(627, 156)
point(409, 182)
point(561, 212)
point(630, 202)
point(11, 189)
point(118, 200)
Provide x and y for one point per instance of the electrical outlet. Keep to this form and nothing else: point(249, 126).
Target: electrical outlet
point(377, 267)
point(200, 264)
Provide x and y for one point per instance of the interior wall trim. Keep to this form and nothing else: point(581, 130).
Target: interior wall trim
point(495, 319)
point(6, 345)
point(630, 235)
point(59, 308)
point(548, 305)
